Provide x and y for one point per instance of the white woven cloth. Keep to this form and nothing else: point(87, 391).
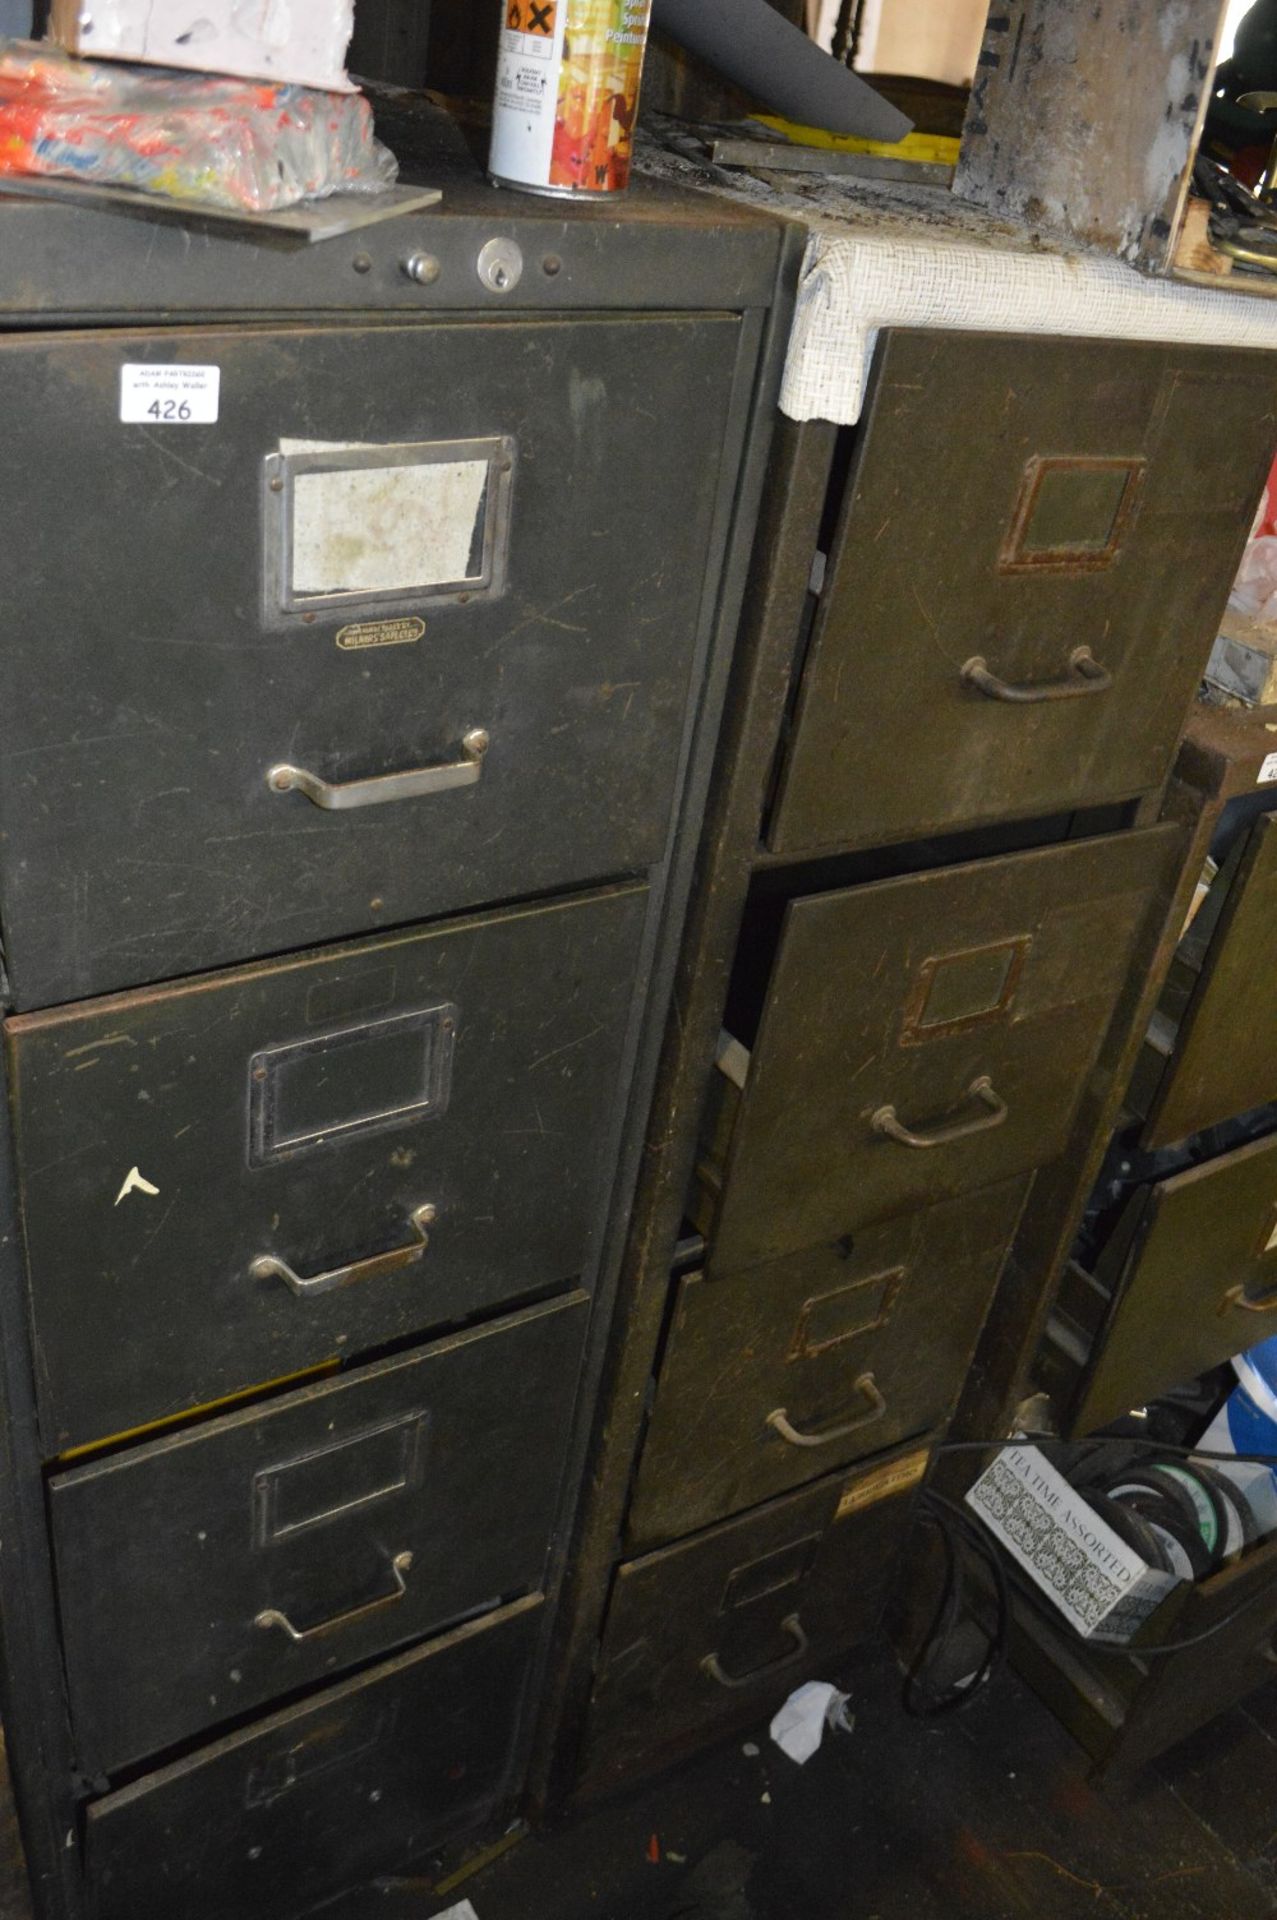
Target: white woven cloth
point(854, 283)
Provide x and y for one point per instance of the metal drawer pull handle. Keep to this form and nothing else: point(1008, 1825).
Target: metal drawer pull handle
point(268, 1266)
point(386, 786)
point(272, 1617)
point(1238, 1297)
point(791, 1625)
point(1085, 675)
point(866, 1386)
point(886, 1120)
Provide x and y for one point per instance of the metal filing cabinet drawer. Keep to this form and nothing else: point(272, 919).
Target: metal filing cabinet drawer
point(924, 1037)
point(1128, 1711)
point(1193, 1266)
point(708, 1634)
point(1223, 1058)
point(231, 1179)
point(205, 1574)
point(396, 543)
point(1235, 1613)
point(1038, 539)
point(780, 1373)
point(365, 1777)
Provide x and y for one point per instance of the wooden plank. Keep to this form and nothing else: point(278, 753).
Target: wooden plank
point(1193, 249)
point(1084, 117)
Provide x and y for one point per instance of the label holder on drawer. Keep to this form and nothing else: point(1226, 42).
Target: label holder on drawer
point(350, 525)
point(296, 1100)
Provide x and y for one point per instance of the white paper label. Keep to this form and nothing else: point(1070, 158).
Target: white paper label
point(464, 1912)
point(1268, 771)
point(175, 396)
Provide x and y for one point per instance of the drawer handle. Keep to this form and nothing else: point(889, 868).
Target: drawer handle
point(386, 786)
point(1085, 675)
point(866, 1386)
point(272, 1617)
point(1238, 1297)
point(886, 1120)
point(791, 1625)
point(268, 1266)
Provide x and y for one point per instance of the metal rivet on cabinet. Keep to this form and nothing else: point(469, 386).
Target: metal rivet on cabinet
point(500, 265)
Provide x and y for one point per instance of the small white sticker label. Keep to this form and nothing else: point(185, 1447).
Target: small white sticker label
point(1268, 771)
point(169, 396)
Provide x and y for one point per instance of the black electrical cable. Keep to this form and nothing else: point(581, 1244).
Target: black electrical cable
point(919, 1700)
point(1117, 1440)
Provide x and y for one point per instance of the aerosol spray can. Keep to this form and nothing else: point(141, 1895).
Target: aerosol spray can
point(567, 95)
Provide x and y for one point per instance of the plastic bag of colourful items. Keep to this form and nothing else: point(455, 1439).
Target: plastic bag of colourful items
point(246, 144)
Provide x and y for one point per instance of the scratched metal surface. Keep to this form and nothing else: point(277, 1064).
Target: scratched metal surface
point(150, 687)
point(890, 740)
point(145, 1303)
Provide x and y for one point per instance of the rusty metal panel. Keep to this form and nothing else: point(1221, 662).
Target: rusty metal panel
point(1196, 1283)
point(1059, 82)
point(778, 1374)
point(927, 1036)
point(1037, 540)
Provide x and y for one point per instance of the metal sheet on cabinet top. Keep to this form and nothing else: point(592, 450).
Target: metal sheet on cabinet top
point(651, 248)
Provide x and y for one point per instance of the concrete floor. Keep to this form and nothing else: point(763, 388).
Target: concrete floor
point(987, 1815)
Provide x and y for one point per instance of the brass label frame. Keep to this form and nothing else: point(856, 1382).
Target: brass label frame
point(1015, 557)
point(802, 1347)
point(915, 1028)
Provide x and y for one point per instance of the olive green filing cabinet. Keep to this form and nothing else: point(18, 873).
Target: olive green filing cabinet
point(813, 1360)
point(995, 636)
point(700, 1632)
point(354, 747)
point(924, 1037)
point(1193, 1261)
point(1174, 1271)
point(940, 863)
point(1219, 1052)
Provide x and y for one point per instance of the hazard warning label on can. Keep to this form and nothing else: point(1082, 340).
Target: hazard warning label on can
point(532, 16)
point(567, 93)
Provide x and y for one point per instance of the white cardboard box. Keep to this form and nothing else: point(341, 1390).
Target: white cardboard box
point(1104, 1589)
point(299, 41)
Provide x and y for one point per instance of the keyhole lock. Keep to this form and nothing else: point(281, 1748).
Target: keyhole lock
point(500, 265)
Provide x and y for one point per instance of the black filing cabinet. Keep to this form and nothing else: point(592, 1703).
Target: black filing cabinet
point(932, 866)
point(351, 751)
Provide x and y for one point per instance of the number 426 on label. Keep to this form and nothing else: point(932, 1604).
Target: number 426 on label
point(169, 396)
